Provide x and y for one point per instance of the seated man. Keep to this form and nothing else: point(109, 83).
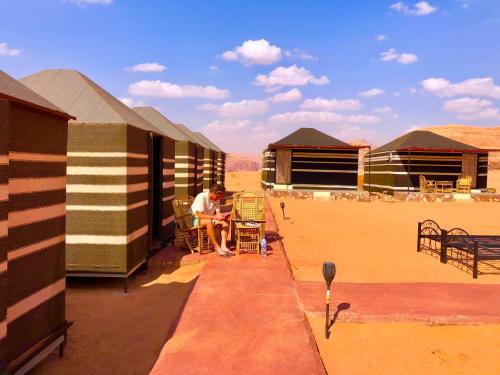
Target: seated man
point(206, 210)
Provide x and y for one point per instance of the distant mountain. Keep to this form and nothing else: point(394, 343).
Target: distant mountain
point(488, 138)
point(243, 162)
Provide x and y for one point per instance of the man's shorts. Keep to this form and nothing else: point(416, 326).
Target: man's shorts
point(196, 223)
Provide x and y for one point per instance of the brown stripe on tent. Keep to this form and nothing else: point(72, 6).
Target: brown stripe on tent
point(27, 277)
point(98, 180)
point(30, 234)
point(22, 169)
point(104, 223)
point(35, 325)
point(19, 202)
point(103, 161)
point(25, 121)
point(97, 138)
point(108, 199)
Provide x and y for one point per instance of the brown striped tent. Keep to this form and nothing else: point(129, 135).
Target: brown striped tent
point(200, 156)
point(308, 159)
point(211, 166)
point(33, 136)
point(120, 171)
point(185, 150)
point(397, 165)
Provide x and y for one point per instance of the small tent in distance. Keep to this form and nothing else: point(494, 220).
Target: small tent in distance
point(397, 165)
point(309, 159)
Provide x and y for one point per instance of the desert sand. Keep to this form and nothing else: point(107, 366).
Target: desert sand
point(376, 242)
point(118, 333)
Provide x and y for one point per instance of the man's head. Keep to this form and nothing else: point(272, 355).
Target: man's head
point(216, 192)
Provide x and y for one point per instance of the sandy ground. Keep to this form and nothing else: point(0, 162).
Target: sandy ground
point(376, 241)
point(408, 348)
point(117, 333)
point(243, 181)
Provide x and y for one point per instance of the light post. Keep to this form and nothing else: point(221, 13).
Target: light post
point(282, 205)
point(328, 274)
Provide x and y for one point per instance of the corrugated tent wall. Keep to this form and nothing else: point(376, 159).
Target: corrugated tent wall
point(221, 168)
point(200, 156)
point(168, 184)
point(36, 226)
point(400, 170)
point(268, 169)
point(185, 159)
point(331, 169)
point(107, 196)
point(4, 202)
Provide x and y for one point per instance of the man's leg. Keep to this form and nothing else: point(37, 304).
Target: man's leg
point(211, 234)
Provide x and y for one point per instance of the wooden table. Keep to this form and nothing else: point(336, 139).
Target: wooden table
point(444, 186)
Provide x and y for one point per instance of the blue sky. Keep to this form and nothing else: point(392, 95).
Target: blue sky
point(249, 72)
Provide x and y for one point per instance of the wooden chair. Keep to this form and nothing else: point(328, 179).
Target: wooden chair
point(188, 236)
point(426, 186)
point(464, 184)
point(248, 207)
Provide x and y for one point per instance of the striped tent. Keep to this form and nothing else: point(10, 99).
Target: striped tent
point(308, 159)
point(120, 169)
point(216, 155)
point(397, 165)
point(200, 157)
point(209, 161)
point(185, 150)
point(33, 136)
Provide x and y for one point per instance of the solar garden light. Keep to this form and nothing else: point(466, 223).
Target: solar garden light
point(328, 274)
point(282, 205)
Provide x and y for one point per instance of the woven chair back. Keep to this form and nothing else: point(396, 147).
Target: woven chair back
point(249, 206)
point(183, 216)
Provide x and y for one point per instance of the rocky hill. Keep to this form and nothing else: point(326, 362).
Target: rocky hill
point(243, 162)
point(488, 138)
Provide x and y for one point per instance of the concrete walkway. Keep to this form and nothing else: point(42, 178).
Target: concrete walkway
point(243, 317)
point(406, 302)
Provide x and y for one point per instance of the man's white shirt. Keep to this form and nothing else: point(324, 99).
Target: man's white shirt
point(204, 205)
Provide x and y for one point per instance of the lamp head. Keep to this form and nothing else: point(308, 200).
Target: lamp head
point(282, 205)
point(329, 272)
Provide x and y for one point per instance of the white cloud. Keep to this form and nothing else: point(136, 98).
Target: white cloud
point(218, 125)
point(469, 108)
point(397, 93)
point(422, 8)
point(147, 68)
point(321, 117)
point(331, 104)
point(284, 97)
point(412, 90)
point(291, 76)
point(402, 58)
point(474, 86)
point(383, 110)
point(371, 93)
point(91, 2)
point(242, 108)
point(161, 89)
point(5, 50)
point(297, 53)
point(349, 133)
point(251, 52)
point(213, 68)
point(381, 37)
point(130, 102)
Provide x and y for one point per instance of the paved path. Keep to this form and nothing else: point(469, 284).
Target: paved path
point(406, 302)
point(243, 317)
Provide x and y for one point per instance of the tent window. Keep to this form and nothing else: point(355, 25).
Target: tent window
point(283, 167)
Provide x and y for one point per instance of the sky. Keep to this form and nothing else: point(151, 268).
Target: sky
point(247, 73)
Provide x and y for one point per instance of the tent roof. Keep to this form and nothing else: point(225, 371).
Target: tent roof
point(188, 133)
point(425, 141)
point(161, 122)
point(77, 94)
point(310, 137)
point(11, 89)
point(210, 144)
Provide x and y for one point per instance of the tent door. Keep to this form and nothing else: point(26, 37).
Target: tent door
point(469, 167)
point(156, 187)
point(284, 167)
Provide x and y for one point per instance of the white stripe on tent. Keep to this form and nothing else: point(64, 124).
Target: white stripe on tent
point(107, 155)
point(76, 239)
point(325, 170)
point(106, 171)
point(327, 186)
point(416, 173)
point(105, 208)
point(393, 187)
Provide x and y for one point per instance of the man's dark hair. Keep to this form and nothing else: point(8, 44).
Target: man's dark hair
point(217, 189)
